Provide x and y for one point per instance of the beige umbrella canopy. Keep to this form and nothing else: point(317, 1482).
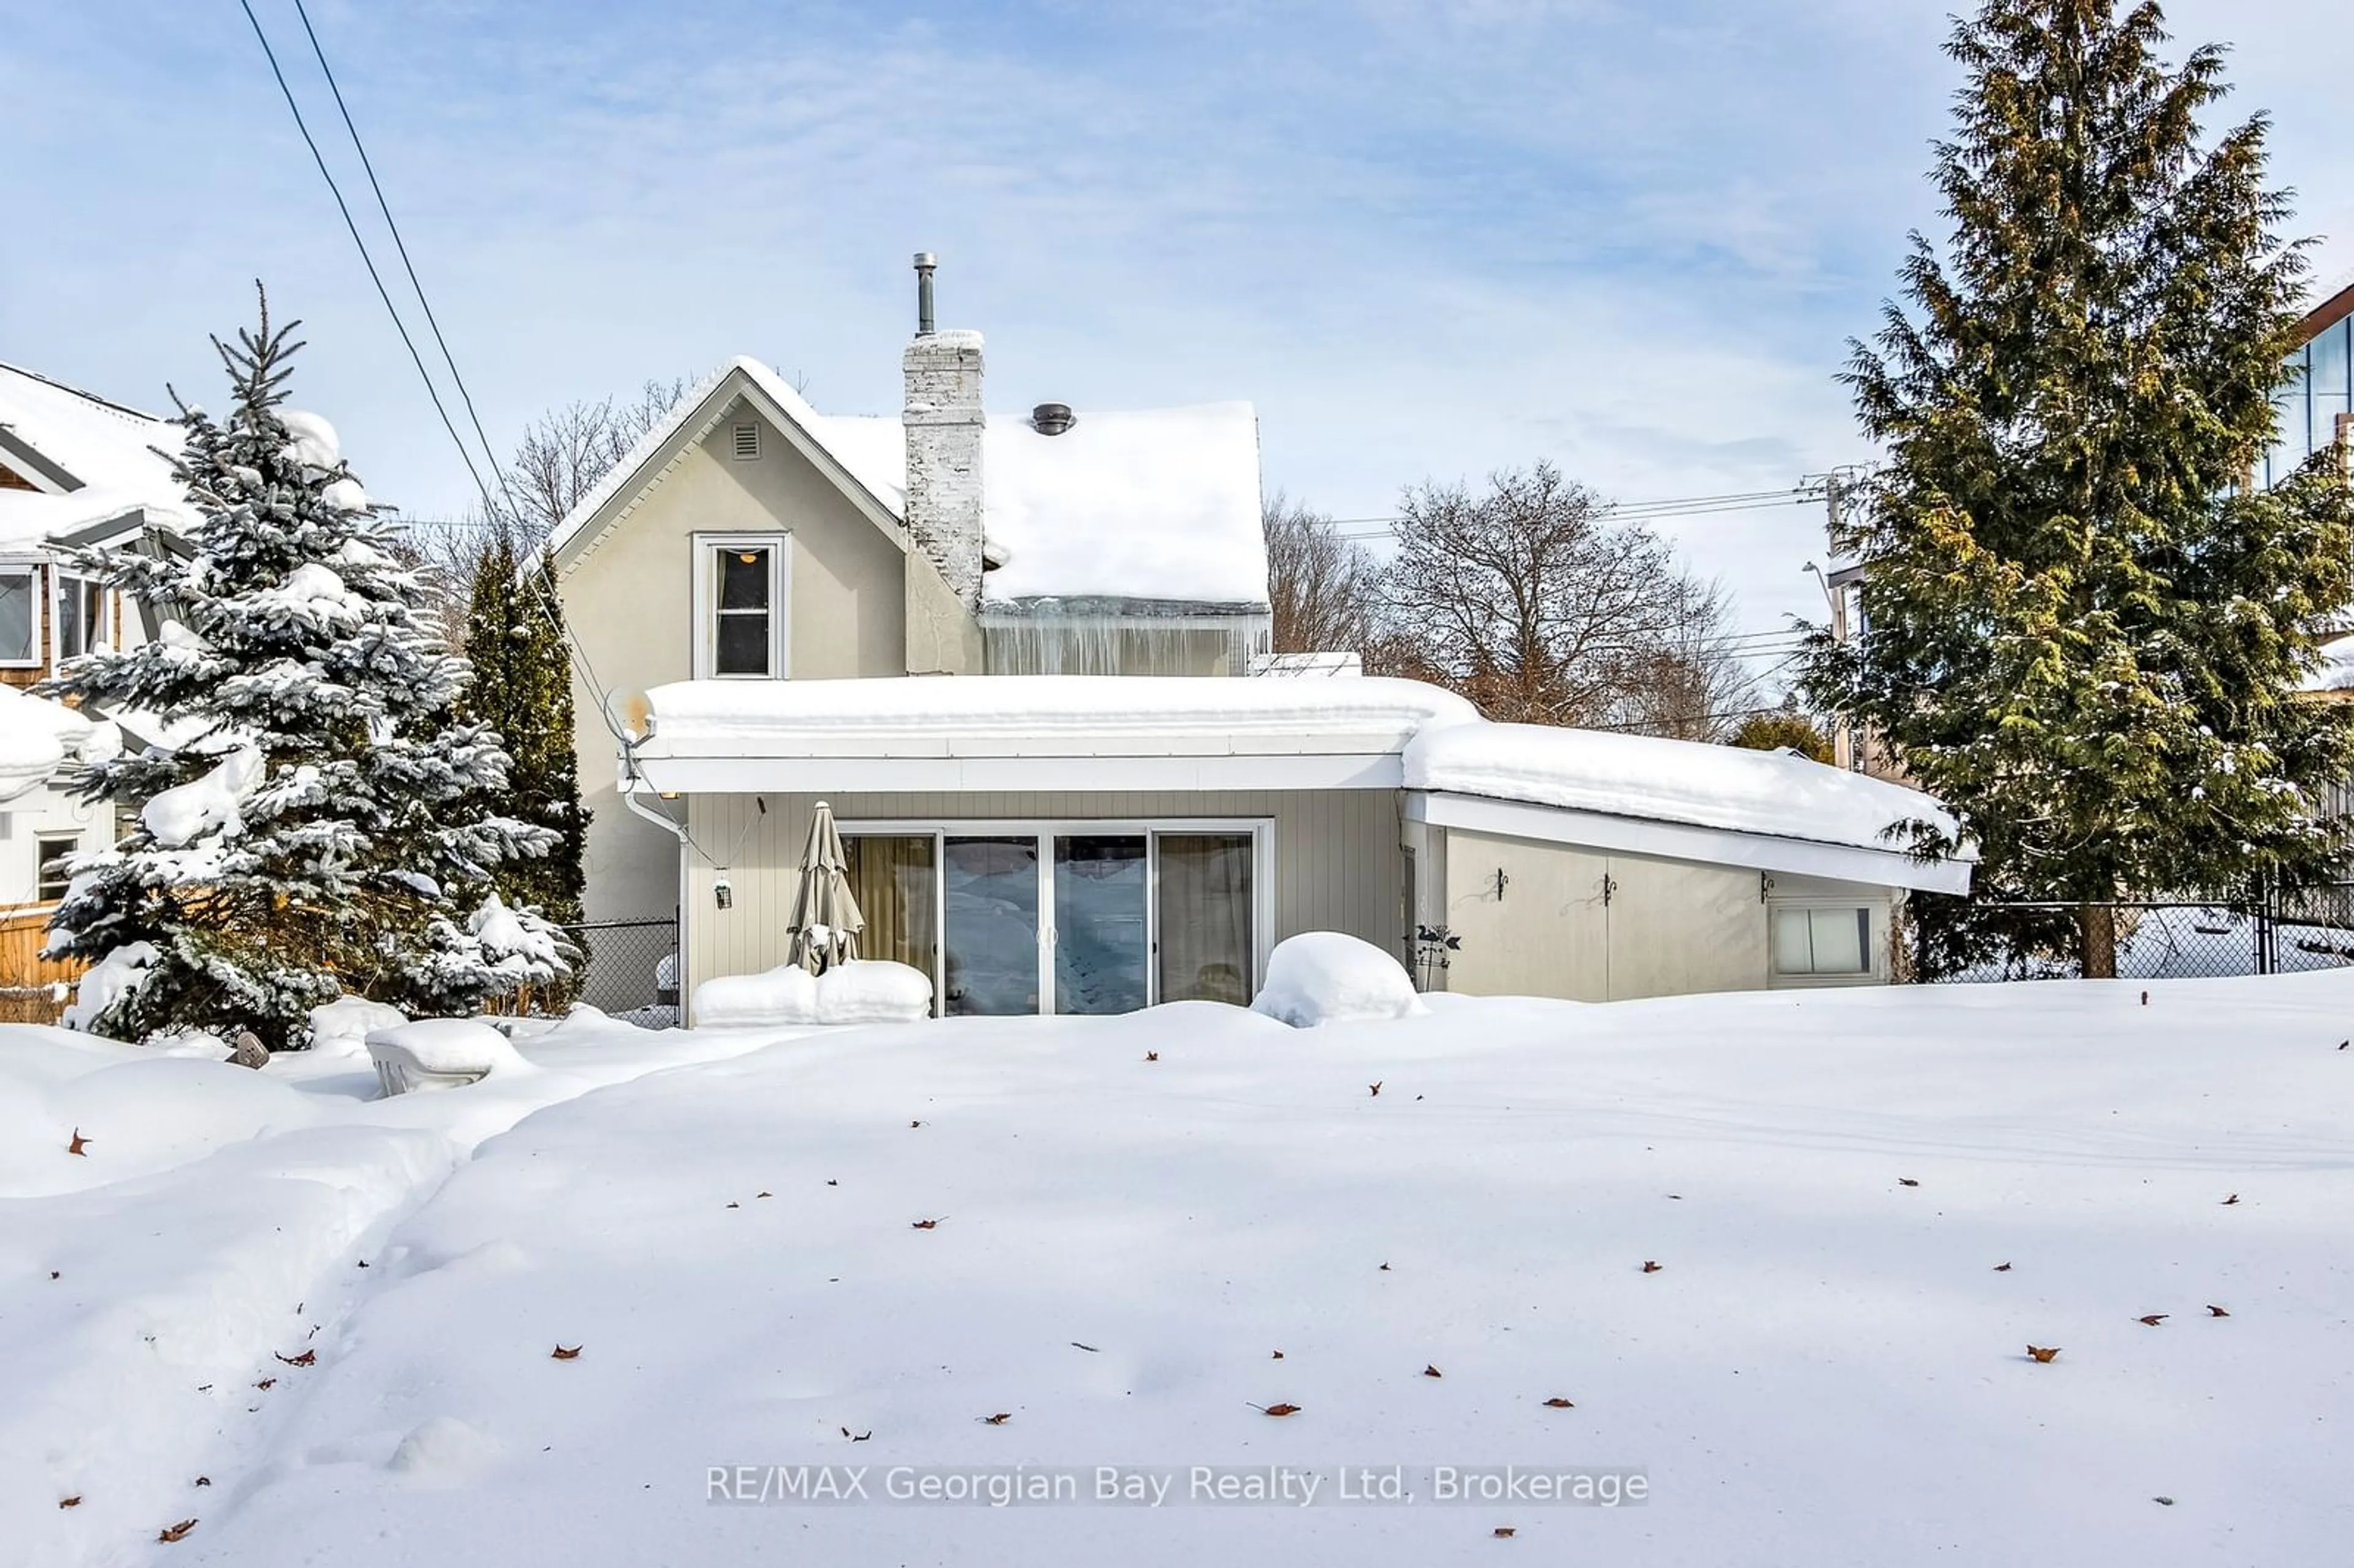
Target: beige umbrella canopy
point(826, 921)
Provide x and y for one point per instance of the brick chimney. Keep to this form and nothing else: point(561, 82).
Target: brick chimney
point(944, 423)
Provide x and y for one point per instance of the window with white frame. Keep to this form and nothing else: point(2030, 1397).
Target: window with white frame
point(49, 855)
point(20, 616)
point(78, 617)
point(1829, 941)
point(741, 584)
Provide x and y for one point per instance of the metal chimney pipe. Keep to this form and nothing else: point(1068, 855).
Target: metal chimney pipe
point(925, 262)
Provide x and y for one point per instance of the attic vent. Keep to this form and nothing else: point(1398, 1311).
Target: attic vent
point(748, 442)
point(1052, 419)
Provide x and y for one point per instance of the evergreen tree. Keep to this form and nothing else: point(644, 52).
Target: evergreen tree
point(522, 687)
point(2085, 630)
point(315, 821)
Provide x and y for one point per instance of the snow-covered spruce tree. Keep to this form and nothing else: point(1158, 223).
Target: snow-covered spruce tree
point(308, 831)
point(522, 687)
point(2085, 628)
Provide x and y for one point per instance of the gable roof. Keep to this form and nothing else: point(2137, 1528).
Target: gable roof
point(627, 482)
point(1161, 506)
point(92, 461)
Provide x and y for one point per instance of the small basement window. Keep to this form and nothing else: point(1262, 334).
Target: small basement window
point(741, 606)
point(50, 855)
point(748, 442)
point(1822, 941)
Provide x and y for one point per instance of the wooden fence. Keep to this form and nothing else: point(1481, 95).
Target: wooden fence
point(33, 990)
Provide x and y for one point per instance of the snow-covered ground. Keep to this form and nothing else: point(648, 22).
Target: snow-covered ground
point(1863, 1207)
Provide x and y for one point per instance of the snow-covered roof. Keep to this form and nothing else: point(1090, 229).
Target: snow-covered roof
point(37, 735)
point(1722, 786)
point(1146, 732)
point(1068, 716)
point(2337, 670)
point(1159, 505)
point(90, 460)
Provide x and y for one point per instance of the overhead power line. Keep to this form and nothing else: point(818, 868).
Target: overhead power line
point(576, 655)
point(367, 260)
point(401, 246)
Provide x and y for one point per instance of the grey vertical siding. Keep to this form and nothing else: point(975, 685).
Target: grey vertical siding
point(1336, 864)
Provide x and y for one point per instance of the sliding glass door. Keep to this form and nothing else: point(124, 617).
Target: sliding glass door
point(1063, 917)
point(990, 950)
point(1206, 949)
point(1101, 944)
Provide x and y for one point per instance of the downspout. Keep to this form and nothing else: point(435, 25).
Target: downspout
point(632, 777)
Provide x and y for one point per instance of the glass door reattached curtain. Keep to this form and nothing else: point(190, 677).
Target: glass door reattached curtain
point(1070, 919)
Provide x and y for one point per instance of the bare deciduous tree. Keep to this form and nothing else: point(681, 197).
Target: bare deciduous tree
point(1529, 601)
point(566, 451)
point(1320, 586)
point(1690, 683)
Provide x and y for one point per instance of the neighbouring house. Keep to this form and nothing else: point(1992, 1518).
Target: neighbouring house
point(1024, 659)
point(76, 470)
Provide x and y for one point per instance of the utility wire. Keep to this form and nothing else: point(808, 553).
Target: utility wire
point(578, 655)
point(401, 246)
point(369, 261)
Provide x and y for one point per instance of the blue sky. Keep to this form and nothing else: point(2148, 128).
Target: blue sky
point(1427, 240)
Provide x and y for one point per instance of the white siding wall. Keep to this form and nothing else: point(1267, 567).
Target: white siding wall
point(1336, 864)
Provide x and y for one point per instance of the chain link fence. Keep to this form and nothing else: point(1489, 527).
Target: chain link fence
point(630, 969)
point(2285, 932)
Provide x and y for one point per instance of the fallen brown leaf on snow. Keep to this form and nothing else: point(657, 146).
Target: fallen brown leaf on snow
point(764, 1195)
point(1377, 1089)
point(1000, 1419)
point(73, 1502)
point(175, 1531)
point(266, 1384)
point(1384, 1269)
point(1651, 1267)
point(565, 1354)
point(2042, 1353)
point(1907, 1182)
point(1432, 1371)
point(1152, 1055)
point(2002, 1268)
point(2154, 1319)
point(80, 1145)
point(1557, 1402)
point(308, 1358)
point(1279, 1355)
point(2231, 1200)
point(926, 1225)
point(1505, 1533)
point(1277, 1409)
point(2217, 1312)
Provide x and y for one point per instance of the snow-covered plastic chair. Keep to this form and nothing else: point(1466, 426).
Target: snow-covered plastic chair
point(436, 1054)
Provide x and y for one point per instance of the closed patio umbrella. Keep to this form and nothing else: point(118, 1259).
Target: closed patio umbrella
point(826, 921)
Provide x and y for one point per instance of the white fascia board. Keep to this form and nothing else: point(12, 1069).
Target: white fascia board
point(909, 773)
point(1683, 841)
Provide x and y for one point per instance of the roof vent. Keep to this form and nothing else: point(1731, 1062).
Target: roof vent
point(1052, 419)
point(748, 442)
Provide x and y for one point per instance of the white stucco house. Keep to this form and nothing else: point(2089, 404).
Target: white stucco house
point(1015, 653)
point(76, 470)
